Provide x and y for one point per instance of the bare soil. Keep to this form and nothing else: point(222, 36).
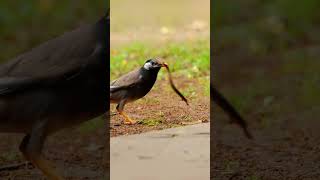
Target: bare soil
point(286, 144)
point(161, 108)
point(77, 155)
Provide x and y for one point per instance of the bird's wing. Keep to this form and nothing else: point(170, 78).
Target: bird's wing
point(59, 59)
point(126, 81)
point(54, 56)
point(12, 84)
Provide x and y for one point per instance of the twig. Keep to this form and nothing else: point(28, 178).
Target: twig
point(13, 167)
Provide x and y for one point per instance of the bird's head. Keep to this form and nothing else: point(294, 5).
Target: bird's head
point(154, 64)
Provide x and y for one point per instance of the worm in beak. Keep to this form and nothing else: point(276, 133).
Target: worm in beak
point(172, 84)
point(164, 65)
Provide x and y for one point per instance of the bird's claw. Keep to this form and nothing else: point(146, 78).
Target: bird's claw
point(129, 122)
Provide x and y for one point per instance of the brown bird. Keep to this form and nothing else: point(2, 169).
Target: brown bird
point(58, 84)
point(134, 85)
point(218, 98)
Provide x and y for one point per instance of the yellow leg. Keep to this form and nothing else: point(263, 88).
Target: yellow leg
point(43, 165)
point(31, 147)
point(127, 120)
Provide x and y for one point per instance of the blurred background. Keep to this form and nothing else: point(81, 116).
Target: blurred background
point(154, 21)
point(25, 24)
point(179, 32)
point(266, 61)
point(77, 152)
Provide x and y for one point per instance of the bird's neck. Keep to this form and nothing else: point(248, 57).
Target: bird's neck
point(149, 74)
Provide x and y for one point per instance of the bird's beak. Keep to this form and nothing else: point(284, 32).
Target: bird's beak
point(164, 65)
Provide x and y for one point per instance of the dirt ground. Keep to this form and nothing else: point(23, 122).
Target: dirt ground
point(76, 154)
point(161, 108)
point(167, 21)
point(286, 144)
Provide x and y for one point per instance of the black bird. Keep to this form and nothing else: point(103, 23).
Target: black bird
point(58, 84)
point(218, 98)
point(134, 85)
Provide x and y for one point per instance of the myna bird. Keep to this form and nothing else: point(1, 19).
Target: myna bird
point(56, 85)
point(134, 85)
point(218, 98)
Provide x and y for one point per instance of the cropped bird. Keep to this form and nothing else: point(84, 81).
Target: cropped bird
point(56, 85)
point(134, 85)
point(219, 99)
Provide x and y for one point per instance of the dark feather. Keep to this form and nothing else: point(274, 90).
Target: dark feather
point(127, 79)
point(57, 60)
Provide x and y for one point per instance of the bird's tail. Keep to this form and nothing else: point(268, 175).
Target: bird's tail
point(230, 110)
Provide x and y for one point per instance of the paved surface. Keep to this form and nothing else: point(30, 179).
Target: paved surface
point(173, 154)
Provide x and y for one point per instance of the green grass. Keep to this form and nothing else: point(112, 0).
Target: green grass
point(9, 156)
point(92, 125)
point(262, 27)
point(303, 65)
point(150, 122)
point(253, 177)
point(186, 59)
point(191, 58)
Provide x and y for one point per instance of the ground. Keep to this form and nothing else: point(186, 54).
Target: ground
point(161, 109)
point(266, 62)
point(82, 150)
point(277, 94)
point(180, 37)
point(182, 40)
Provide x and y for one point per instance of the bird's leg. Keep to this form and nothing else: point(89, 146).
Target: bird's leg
point(128, 120)
point(120, 108)
point(31, 148)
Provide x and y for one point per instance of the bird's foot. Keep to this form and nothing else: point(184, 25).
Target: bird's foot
point(129, 122)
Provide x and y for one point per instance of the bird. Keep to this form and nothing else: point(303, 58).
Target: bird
point(226, 106)
point(58, 84)
point(134, 85)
